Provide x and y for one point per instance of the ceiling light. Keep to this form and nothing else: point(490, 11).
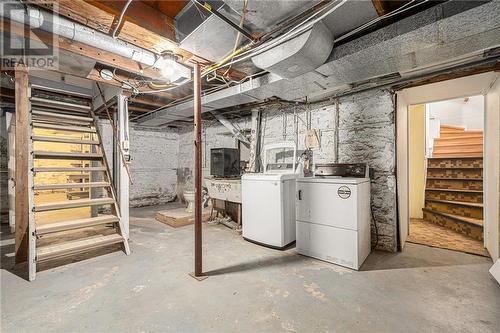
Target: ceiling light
point(171, 70)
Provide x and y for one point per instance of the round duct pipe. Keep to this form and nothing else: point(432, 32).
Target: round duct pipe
point(46, 21)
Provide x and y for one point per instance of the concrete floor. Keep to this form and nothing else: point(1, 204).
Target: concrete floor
point(250, 288)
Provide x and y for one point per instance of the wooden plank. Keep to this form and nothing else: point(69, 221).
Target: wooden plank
point(68, 169)
point(62, 116)
point(37, 124)
point(37, 101)
point(60, 139)
point(66, 155)
point(22, 165)
point(70, 248)
point(73, 204)
point(75, 224)
point(140, 14)
point(135, 33)
point(179, 217)
point(70, 185)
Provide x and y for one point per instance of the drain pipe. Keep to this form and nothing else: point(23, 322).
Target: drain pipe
point(58, 25)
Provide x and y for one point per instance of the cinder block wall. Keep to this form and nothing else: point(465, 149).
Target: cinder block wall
point(366, 133)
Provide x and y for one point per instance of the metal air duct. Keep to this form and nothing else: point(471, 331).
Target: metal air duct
point(298, 55)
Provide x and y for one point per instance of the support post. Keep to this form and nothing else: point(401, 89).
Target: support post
point(197, 173)
point(22, 155)
point(122, 173)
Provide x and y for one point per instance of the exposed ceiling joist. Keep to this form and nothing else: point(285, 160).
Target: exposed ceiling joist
point(101, 20)
point(140, 14)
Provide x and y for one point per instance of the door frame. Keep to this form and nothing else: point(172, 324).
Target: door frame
point(479, 84)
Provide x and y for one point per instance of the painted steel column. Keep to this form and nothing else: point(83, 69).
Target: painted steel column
point(197, 172)
point(122, 179)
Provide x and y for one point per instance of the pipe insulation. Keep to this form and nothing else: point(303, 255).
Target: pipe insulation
point(41, 19)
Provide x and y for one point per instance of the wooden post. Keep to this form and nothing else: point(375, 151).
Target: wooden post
point(22, 156)
point(198, 271)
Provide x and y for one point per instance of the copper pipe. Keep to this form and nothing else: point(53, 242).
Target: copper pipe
point(197, 172)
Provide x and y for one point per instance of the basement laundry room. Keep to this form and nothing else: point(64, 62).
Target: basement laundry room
point(249, 165)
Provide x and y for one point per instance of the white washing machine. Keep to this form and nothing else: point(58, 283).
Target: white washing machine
point(268, 199)
point(333, 219)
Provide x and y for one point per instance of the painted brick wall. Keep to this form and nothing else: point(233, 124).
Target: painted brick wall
point(153, 166)
point(366, 134)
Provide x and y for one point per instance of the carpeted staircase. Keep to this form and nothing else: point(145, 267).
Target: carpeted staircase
point(454, 185)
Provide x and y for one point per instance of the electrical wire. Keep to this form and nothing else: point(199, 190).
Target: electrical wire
point(120, 19)
point(406, 7)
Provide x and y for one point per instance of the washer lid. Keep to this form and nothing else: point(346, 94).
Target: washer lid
point(268, 176)
point(333, 180)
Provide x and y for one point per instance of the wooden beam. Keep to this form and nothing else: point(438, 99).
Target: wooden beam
point(22, 156)
point(86, 13)
point(386, 6)
point(140, 14)
point(155, 102)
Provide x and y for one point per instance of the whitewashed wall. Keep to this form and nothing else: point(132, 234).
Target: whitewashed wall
point(154, 163)
point(366, 134)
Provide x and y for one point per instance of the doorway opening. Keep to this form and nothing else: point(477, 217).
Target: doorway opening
point(486, 86)
point(445, 160)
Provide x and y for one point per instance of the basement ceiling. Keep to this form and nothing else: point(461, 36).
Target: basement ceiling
point(151, 25)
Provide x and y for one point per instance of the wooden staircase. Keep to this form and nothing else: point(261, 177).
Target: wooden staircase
point(64, 226)
point(455, 141)
point(454, 194)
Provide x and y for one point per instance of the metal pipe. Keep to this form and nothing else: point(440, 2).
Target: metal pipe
point(120, 18)
point(59, 25)
point(197, 172)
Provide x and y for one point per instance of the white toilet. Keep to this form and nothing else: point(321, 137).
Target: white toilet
point(189, 197)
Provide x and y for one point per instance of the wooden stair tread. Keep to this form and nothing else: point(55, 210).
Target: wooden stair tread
point(456, 144)
point(466, 135)
point(71, 185)
point(461, 203)
point(63, 140)
point(469, 220)
point(455, 158)
point(73, 204)
point(452, 190)
point(73, 247)
point(68, 169)
point(58, 104)
point(461, 179)
point(75, 224)
point(453, 167)
point(66, 128)
point(62, 116)
point(457, 154)
point(66, 155)
point(452, 127)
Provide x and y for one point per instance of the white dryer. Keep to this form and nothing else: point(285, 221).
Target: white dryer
point(333, 219)
point(268, 199)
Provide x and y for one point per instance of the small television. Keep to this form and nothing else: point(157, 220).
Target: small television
point(225, 162)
